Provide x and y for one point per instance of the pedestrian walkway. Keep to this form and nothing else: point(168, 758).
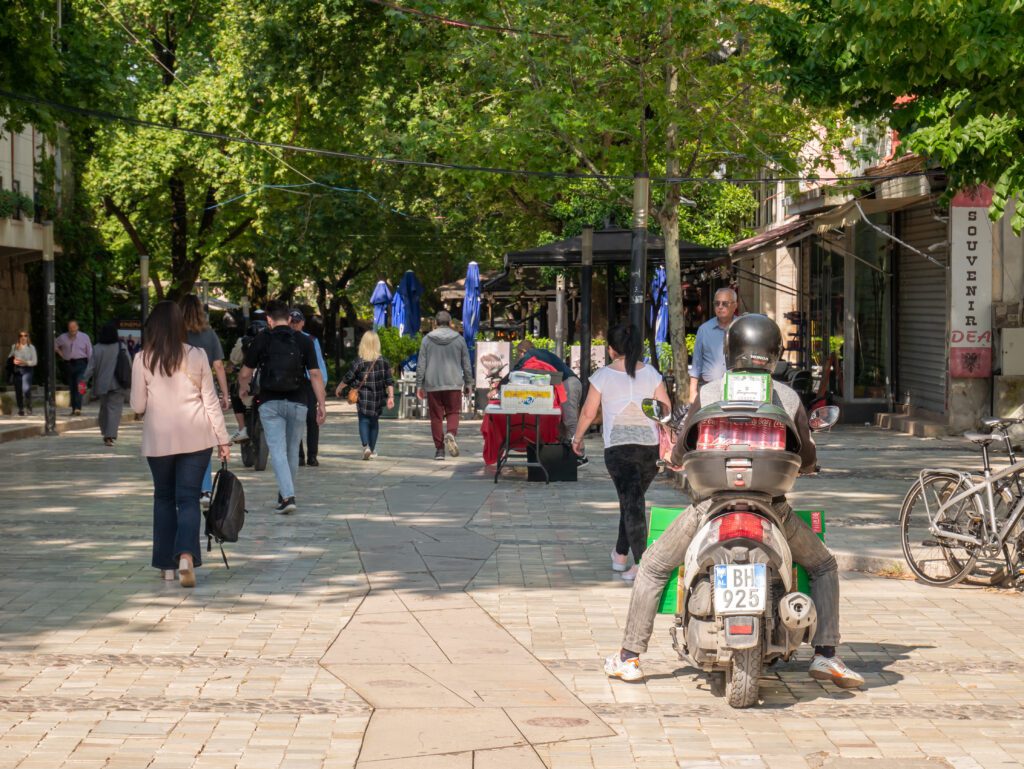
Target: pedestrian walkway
point(16, 428)
point(413, 614)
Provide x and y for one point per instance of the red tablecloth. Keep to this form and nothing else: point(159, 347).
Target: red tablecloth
point(523, 431)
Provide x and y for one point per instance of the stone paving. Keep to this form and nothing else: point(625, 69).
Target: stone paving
point(414, 614)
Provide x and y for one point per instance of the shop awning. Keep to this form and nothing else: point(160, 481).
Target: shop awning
point(777, 237)
point(848, 213)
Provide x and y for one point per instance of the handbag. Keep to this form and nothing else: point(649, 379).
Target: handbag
point(353, 392)
point(123, 368)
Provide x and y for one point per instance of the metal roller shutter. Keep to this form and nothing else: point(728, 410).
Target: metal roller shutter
point(921, 313)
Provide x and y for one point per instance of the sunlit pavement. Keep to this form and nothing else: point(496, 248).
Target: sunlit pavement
point(415, 614)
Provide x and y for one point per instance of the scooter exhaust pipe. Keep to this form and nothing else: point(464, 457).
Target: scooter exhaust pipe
point(797, 611)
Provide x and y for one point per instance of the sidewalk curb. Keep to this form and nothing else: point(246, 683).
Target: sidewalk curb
point(871, 564)
point(34, 431)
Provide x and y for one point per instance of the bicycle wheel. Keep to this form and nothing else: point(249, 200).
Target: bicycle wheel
point(935, 559)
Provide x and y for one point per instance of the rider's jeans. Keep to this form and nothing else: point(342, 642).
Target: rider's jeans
point(669, 551)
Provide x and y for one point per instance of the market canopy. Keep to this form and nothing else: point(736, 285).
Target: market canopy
point(612, 245)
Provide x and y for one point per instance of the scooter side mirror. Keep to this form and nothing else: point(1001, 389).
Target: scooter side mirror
point(653, 409)
point(823, 418)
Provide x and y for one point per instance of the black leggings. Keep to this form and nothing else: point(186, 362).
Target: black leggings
point(632, 468)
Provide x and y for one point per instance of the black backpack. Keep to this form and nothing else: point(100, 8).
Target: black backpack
point(226, 515)
point(123, 368)
point(282, 369)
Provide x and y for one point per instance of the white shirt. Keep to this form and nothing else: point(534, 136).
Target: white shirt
point(624, 421)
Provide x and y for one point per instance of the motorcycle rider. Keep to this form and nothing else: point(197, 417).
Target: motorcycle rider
point(752, 343)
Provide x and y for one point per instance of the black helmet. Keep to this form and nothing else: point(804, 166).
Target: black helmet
point(752, 342)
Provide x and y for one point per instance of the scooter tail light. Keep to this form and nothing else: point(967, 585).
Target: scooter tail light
point(741, 525)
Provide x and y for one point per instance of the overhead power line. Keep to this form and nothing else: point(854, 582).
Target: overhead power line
point(466, 24)
point(441, 166)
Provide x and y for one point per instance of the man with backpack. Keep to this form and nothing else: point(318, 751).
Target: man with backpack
point(280, 359)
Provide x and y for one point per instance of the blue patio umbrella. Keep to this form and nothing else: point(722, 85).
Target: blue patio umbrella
point(380, 299)
point(471, 309)
point(658, 314)
point(405, 306)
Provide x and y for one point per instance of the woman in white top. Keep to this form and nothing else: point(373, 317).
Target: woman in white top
point(24, 358)
point(630, 438)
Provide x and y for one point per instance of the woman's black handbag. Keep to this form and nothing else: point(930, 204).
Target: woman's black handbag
point(226, 516)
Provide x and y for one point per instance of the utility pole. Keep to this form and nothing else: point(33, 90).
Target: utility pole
point(638, 251)
point(50, 289)
point(586, 288)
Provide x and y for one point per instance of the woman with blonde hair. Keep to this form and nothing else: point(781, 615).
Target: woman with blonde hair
point(23, 360)
point(371, 377)
point(172, 388)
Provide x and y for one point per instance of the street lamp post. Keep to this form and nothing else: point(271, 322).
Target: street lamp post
point(143, 291)
point(638, 252)
point(50, 288)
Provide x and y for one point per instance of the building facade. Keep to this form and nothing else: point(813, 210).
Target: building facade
point(891, 303)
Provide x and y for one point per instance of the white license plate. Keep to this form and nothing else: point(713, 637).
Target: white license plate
point(740, 588)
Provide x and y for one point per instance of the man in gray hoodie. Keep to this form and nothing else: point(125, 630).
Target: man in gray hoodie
point(443, 372)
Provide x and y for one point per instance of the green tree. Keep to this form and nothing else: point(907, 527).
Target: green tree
point(949, 76)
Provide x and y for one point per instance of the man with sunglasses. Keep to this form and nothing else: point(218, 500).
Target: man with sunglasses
point(708, 363)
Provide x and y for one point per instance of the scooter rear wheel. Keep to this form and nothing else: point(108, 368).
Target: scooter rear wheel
point(743, 680)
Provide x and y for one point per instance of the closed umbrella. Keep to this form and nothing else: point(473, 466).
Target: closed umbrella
point(659, 305)
point(405, 307)
point(380, 299)
point(471, 309)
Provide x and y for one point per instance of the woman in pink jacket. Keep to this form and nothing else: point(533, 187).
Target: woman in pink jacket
point(173, 387)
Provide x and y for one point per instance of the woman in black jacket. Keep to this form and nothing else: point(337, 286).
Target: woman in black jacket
point(371, 375)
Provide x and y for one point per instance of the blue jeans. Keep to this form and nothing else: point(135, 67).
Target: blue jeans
point(368, 429)
point(76, 367)
point(176, 481)
point(23, 386)
point(208, 476)
point(284, 424)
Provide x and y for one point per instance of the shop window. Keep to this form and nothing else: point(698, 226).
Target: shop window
point(828, 307)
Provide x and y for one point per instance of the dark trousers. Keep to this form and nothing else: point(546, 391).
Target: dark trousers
point(444, 406)
point(177, 480)
point(369, 428)
point(75, 368)
point(632, 468)
point(23, 386)
point(312, 446)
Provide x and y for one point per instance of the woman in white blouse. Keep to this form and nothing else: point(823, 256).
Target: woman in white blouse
point(630, 438)
point(173, 387)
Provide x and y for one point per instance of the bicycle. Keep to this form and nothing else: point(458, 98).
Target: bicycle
point(950, 519)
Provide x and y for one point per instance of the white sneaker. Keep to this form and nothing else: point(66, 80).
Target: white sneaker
point(367, 454)
point(629, 670)
point(373, 454)
point(835, 670)
point(619, 562)
point(451, 445)
point(240, 436)
point(630, 575)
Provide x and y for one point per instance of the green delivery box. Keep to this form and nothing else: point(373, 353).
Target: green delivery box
point(661, 519)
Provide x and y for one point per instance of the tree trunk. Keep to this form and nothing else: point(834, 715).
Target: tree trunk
point(669, 218)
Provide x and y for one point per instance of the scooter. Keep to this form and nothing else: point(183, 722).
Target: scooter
point(739, 608)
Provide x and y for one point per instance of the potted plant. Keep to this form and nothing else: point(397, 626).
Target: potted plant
point(396, 349)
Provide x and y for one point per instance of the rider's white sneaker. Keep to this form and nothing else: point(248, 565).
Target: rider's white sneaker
point(835, 670)
point(240, 435)
point(627, 671)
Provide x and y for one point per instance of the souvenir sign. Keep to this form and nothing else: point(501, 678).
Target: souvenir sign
point(744, 386)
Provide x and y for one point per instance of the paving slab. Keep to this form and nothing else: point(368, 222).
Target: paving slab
point(399, 685)
point(411, 732)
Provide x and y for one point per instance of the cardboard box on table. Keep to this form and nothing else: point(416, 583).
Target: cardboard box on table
point(661, 519)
